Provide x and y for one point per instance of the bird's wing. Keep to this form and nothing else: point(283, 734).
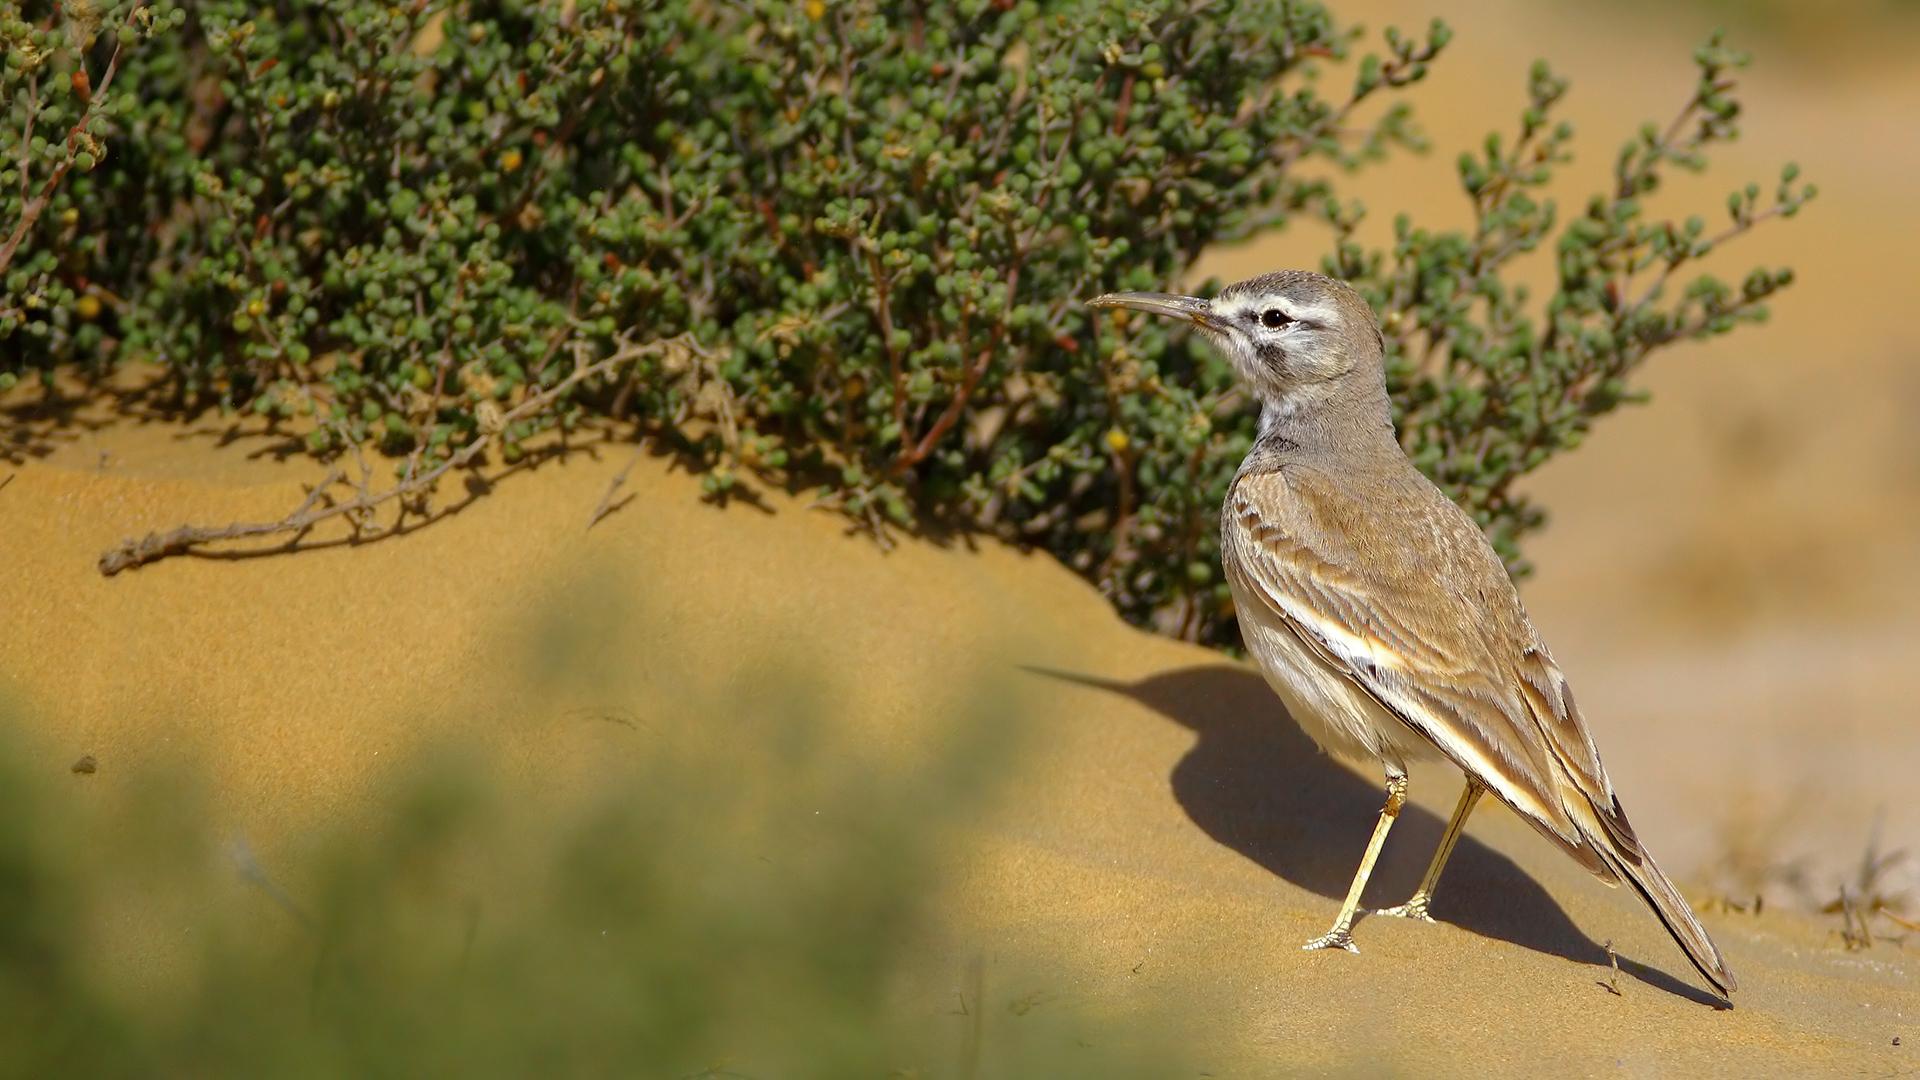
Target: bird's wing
point(1549, 701)
point(1428, 625)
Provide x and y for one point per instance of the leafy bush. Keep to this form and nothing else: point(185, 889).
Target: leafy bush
point(835, 246)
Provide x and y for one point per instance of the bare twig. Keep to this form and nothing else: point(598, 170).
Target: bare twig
point(320, 506)
point(607, 505)
point(1857, 909)
point(1395, 72)
point(1612, 985)
point(1863, 939)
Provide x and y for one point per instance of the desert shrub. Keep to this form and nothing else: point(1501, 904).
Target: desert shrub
point(832, 246)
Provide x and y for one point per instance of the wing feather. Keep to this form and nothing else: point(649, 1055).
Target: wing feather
point(1437, 661)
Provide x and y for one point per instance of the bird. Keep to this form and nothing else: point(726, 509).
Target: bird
point(1379, 612)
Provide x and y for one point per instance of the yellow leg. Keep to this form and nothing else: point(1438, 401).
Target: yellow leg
point(1341, 936)
point(1416, 908)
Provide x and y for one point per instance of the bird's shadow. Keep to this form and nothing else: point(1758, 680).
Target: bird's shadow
point(1256, 783)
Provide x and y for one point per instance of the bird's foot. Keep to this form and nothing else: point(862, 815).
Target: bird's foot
point(1415, 908)
point(1337, 938)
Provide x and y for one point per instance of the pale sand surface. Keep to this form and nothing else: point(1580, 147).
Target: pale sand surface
point(1162, 844)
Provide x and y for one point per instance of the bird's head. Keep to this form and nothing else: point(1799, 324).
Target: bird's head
point(1294, 337)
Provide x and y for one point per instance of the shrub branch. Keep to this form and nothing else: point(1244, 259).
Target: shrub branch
point(412, 492)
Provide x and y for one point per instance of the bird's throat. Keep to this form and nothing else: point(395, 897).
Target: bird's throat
point(1343, 418)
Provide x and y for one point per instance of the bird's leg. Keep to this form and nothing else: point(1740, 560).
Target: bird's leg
point(1416, 908)
point(1341, 936)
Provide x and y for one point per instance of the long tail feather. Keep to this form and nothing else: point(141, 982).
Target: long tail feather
point(1672, 909)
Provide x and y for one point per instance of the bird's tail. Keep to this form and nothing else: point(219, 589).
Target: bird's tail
point(1667, 903)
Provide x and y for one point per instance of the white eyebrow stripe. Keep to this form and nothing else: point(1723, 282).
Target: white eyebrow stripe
point(1322, 313)
point(1315, 313)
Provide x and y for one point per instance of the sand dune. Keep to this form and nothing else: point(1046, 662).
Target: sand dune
point(1166, 841)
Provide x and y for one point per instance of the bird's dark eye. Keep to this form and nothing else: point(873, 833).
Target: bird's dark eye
point(1274, 318)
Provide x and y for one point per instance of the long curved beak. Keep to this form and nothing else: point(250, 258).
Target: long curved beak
point(1191, 308)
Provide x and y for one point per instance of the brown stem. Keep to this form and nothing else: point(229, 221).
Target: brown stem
point(1284, 156)
point(969, 380)
point(320, 507)
point(954, 408)
point(31, 212)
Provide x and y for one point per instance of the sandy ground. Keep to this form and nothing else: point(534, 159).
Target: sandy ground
point(1164, 841)
point(1728, 580)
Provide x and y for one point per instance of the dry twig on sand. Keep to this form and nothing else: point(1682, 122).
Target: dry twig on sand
point(607, 505)
point(1870, 896)
point(1612, 984)
point(412, 492)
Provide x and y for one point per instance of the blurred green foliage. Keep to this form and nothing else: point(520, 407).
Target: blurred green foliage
point(391, 226)
point(741, 899)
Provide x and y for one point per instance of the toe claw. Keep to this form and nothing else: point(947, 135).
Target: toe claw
point(1407, 911)
point(1337, 939)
